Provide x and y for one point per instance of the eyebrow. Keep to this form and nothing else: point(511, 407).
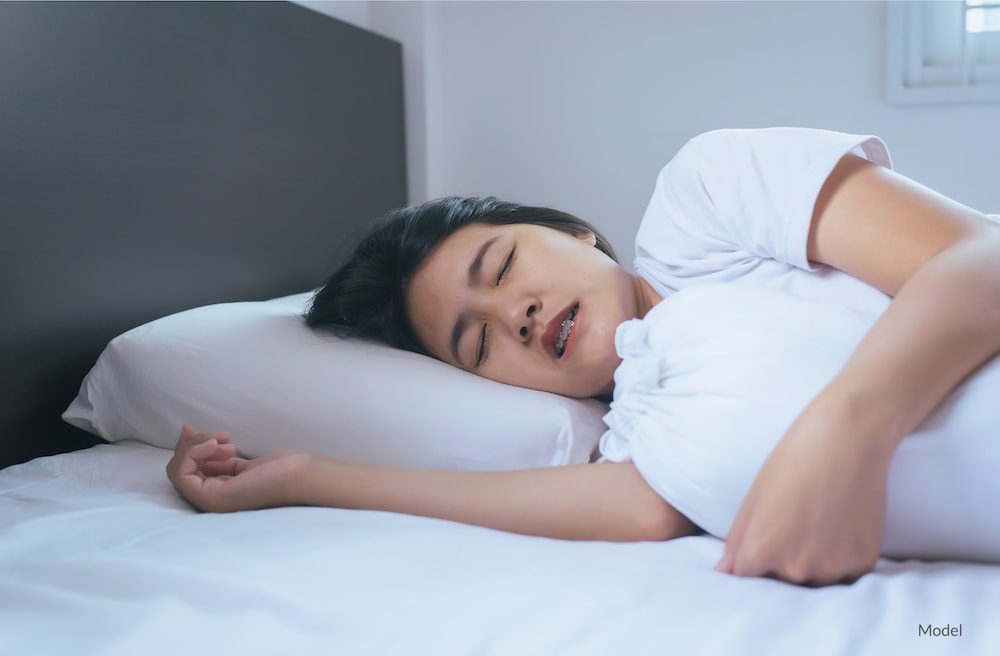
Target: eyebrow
point(475, 271)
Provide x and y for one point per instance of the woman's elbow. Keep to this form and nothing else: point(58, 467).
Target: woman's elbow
point(667, 523)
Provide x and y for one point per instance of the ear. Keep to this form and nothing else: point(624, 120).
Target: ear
point(588, 237)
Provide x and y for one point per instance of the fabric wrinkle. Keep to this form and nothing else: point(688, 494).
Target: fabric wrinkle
point(638, 375)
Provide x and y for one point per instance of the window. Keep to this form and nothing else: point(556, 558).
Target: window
point(944, 51)
point(982, 16)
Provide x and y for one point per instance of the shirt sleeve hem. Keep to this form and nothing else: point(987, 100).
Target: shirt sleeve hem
point(871, 148)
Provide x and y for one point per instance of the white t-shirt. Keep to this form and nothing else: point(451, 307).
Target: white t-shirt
point(736, 204)
point(713, 376)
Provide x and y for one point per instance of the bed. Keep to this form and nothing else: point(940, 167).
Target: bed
point(100, 555)
point(159, 157)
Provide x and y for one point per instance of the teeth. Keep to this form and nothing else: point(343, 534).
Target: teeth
point(567, 326)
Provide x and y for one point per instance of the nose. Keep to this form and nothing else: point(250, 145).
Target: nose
point(516, 312)
point(523, 323)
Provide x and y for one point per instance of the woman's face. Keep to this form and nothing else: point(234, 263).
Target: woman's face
point(549, 273)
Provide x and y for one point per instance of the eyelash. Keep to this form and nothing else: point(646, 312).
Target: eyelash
point(503, 274)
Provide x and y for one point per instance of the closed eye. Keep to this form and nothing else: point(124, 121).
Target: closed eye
point(500, 278)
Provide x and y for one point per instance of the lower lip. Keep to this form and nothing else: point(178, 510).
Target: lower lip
point(572, 333)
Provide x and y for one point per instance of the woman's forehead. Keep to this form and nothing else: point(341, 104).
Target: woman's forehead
point(449, 263)
point(438, 286)
point(458, 250)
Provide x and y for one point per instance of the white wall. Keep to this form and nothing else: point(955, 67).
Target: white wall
point(355, 12)
point(577, 105)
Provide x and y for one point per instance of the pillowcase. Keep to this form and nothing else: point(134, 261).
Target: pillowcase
point(255, 370)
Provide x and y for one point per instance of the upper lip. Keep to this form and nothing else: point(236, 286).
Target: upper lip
point(552, 329)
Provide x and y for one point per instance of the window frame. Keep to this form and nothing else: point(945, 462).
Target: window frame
point(911, 81)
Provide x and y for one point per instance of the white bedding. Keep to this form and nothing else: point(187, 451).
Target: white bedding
point(99, 555)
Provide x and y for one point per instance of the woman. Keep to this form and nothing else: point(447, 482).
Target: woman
point(492, 287)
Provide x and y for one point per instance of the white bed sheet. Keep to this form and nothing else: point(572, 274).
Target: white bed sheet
point(99, 555)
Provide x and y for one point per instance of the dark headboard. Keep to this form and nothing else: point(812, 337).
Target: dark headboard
point(156, 157)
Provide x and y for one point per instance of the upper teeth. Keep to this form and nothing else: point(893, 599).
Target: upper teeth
point(567, 326)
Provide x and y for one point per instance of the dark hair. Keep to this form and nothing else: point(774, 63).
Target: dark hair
point(366, 297)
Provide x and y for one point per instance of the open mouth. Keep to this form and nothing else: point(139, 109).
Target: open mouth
point(567, 329)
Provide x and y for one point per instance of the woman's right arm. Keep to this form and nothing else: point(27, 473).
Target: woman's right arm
point(607, 501)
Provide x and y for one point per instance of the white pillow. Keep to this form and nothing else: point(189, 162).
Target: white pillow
point(256, 370)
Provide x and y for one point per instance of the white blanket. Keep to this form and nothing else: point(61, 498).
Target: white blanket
point(99, 555)
point(714, 375)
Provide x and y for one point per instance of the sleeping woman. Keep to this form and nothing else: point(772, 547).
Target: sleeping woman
point(800, 316)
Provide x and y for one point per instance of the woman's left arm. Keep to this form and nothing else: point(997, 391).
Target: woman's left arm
point(816, 511)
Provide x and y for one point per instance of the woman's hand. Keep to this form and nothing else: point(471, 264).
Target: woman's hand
point(816, 511)
point(205, 472)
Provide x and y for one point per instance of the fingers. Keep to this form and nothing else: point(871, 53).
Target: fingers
point(189, 437)
point(206, 450)
point(754, 563)
point(193, 450)
point(737, 564)
point(188, 434)
point(741, 559)
point(727, 564)
point(221, 451)
point(230, 467)
point(751, 566)
point(210, 459)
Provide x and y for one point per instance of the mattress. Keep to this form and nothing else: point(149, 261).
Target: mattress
point(100, 555)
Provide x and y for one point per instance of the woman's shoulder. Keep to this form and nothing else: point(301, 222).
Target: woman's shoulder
point(732, 197)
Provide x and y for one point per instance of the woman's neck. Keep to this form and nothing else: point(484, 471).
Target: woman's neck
point(645, 296)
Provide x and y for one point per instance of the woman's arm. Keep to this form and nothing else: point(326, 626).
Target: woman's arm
point(940, 260)
point(942, 326)
point(607, 501)
point(815, 512)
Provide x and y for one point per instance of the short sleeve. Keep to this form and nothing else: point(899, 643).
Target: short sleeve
point(732, 196)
